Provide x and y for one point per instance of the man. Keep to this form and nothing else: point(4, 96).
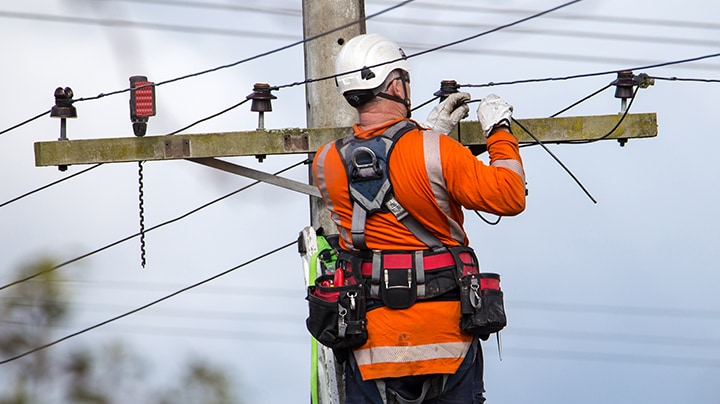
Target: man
point(396, 191)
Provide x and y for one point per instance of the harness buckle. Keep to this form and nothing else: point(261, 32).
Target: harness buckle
point(366, 164)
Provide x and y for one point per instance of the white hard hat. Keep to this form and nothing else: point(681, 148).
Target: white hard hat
point(365, 57)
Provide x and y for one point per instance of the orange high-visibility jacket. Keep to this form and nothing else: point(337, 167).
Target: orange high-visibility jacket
point(433, 177)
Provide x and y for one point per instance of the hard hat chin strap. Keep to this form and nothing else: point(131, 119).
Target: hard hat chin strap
point(405, 101)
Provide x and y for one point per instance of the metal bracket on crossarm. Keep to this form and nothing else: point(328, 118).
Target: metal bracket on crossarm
point(262, 176)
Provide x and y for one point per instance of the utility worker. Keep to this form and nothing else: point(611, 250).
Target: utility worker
point(415, 350)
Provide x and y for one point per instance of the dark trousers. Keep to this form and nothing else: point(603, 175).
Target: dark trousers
point(465, 387)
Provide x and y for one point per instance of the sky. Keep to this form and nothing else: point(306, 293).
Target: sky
point(609, 302)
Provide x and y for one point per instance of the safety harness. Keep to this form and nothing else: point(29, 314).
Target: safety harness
point(397, 278)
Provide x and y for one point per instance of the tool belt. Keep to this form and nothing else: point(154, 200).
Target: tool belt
point(398, 279)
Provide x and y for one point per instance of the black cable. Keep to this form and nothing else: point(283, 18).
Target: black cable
point(130, 237)
point(686, 79)
point(586, 75)
point(617, 125)
point(581, 101)
point(162, 299)
point(38, 116)
point(567, 170)
point(209, 117)
point(425, 103)
point(486, 220)
point(49, 185)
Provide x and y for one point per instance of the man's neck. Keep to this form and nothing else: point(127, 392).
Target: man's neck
point(379, 114)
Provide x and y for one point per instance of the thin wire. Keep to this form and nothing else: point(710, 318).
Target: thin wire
point(38, 116)
point(209, 117)
point(425, 103)
point(617, 125)
point(567, 170)
point(27, 278)
point(581, 101)
point(686, 79)
point(486, 220)
point(586, 75)
point(49, 185)
point(162, 299)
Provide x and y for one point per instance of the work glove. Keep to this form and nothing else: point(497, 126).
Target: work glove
point(446, 115)
point(493, 111)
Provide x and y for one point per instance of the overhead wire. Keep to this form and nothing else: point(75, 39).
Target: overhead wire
point(130, 237)
point(581, 101)
point(593, 74)
point(143, 307)
point(46, 186)
point(686, 79)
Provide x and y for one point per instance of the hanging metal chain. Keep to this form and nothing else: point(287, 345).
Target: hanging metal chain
point(141, 205)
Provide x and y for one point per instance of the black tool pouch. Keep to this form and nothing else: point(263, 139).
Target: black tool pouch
point(398, 289)
point(337, 314)
point(397, 280)
point(481, 304)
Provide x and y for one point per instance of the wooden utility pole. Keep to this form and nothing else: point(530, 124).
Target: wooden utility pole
point(325, 107)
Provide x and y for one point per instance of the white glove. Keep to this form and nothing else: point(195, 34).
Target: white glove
point(446, 115)
point(493, 111)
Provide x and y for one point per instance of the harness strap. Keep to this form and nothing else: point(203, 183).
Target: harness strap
point(417, 229)
point(419, 264)
point(357, 231)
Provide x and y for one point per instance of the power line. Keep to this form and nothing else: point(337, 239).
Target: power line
point(162, 299)
point(38, 116)
point(581, 101)
point(594, 74)
point(48, 185)
point(555, 56)
point(130, 237)
point(699, 80)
